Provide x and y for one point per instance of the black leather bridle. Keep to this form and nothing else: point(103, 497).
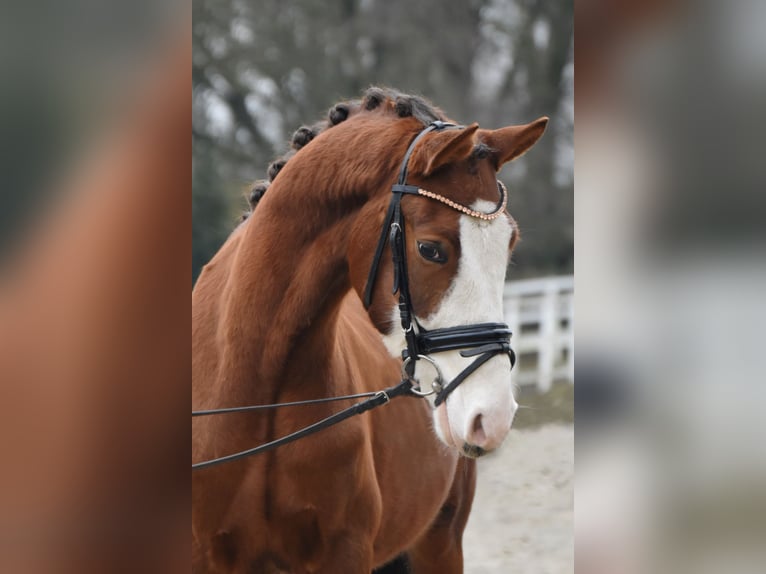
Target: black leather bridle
point(480, 340)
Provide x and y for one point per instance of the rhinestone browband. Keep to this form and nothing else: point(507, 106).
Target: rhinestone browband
point(467, 210)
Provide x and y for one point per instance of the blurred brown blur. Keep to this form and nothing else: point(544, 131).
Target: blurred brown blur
point(94, 326)
point(670, 283)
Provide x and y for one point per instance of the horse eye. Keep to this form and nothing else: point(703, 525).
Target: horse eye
point(431, 252)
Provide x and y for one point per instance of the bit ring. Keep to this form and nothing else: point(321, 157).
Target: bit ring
point(436, 385)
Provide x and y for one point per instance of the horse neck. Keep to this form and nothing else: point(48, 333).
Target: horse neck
point(291, 271)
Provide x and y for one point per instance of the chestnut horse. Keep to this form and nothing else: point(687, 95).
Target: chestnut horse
point(278, 317)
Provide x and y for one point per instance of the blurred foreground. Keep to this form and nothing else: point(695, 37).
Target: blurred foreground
point(94, 322)
point(670, 283)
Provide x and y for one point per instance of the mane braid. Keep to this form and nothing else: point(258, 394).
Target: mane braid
point(374, 98)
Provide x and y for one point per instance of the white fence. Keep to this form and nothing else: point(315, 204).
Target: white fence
point(540, 313)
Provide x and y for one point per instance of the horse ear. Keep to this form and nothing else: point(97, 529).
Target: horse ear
point(443, 148)
point(513, 141)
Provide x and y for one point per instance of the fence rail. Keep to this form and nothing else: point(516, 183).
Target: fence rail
point(540, 313)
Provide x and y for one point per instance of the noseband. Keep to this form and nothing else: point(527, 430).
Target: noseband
point(480, 340)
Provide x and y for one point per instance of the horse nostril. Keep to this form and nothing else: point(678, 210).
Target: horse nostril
point(478, 436)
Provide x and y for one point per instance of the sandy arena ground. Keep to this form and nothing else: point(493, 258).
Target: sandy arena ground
point(522, 517)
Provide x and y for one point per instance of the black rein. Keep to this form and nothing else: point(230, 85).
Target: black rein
point(378, 399)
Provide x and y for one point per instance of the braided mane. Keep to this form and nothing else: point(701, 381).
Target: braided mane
point(402, 105)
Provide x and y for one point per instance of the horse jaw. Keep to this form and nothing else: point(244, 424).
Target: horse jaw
point(477, 416)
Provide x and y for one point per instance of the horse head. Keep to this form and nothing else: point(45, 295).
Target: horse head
point(457, 237)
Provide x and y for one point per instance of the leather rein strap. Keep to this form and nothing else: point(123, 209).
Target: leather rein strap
point(380, 398)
